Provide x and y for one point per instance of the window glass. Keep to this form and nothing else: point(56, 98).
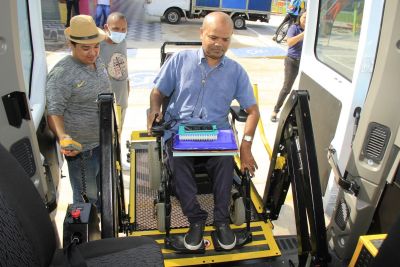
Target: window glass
point(339, 33)
point(25, 42)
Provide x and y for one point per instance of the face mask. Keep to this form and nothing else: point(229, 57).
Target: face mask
point(117, 37)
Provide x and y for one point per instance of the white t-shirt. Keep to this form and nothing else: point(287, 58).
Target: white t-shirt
point(103, 2)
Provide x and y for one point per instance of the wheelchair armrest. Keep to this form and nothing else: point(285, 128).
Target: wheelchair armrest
point(238, 114)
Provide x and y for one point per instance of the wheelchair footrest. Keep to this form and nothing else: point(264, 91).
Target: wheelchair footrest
point(242, 237)
point(175, 243)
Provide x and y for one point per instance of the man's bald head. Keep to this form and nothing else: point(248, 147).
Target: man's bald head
point(115, 16)
point(218, 19)
point(215, 35)
point(116, 22)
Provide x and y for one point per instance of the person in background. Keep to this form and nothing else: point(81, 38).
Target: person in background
point(292, 62)
point(102, 11)
point(201, 85)
point(70, 4)
point(113, 53)
point(72, 89)
point(292, 12)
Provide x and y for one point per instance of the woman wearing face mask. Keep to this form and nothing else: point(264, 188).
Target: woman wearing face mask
point(113, 53)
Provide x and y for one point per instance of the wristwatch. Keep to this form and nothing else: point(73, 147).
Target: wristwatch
point(248, 138)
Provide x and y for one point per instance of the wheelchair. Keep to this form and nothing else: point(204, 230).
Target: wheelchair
point(240, 210)
point(154, 210)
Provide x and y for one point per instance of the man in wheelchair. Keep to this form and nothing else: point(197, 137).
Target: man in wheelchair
point(201, 85)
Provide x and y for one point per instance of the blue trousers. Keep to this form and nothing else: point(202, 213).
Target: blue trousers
point(220, 168)
point(84, 175)
point(102, 12)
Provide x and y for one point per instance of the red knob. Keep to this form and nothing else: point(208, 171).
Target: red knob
point(76, 213)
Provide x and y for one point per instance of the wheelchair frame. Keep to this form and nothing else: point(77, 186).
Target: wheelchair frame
point(163, 201)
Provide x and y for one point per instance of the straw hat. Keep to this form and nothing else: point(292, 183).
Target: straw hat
point(83, 30)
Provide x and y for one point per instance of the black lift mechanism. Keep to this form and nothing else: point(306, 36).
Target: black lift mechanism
point(294, 162)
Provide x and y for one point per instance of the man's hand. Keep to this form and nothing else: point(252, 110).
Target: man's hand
point(154, 113)
point(69, 152)
point(153, 116)
point(246, 158)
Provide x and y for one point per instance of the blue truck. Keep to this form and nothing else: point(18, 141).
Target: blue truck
point(240, 10)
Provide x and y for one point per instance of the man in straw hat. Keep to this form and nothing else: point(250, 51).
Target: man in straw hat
point(72, 89)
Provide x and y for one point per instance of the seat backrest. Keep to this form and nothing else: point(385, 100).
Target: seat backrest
point(27, 236)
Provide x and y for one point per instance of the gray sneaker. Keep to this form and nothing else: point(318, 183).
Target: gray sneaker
point(194, 237)
point(226, 237)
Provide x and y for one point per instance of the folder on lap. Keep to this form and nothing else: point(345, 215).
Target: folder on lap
point(225, 145)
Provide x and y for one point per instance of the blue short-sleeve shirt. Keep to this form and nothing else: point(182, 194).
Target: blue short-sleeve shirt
point(295, 50)
point(200, 94)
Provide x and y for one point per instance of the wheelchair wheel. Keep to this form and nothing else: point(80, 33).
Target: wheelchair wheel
point(238, 211)
point(160, 213)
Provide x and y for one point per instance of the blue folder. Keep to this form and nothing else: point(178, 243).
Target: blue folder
point(224, 145)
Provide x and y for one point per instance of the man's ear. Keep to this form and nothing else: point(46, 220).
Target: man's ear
point(106, 27)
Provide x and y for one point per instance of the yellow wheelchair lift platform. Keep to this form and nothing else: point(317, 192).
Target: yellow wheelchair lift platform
point(262, 246)
point(141, 213)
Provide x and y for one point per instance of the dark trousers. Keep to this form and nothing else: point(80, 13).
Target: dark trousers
point(291, 71)
point(70, 4)
point(220, 169)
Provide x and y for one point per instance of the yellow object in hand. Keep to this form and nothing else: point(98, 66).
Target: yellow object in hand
point(69, 144)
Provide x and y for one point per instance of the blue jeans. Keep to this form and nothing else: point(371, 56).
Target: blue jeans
point(84, 171)
point(102, 12)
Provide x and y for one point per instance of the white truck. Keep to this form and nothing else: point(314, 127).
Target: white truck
point(240, 10)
